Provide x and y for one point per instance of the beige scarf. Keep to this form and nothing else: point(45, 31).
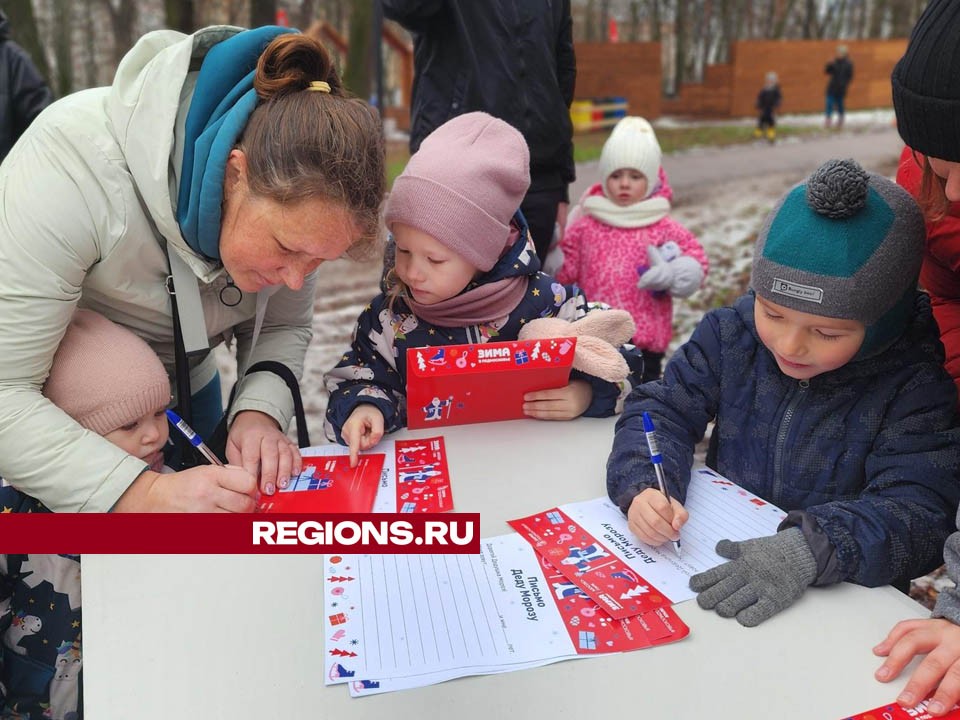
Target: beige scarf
point(646, 212)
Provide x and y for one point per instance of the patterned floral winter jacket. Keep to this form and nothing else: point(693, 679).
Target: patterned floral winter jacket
point(603, 261)
point(374, 369)
point(864, 458)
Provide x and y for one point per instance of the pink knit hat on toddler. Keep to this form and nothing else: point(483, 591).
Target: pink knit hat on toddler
point(464, 185)
point(104, 376)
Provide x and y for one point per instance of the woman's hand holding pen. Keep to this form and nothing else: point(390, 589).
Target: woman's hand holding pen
point(256, 444)
point(205, 488)
point(654, 519)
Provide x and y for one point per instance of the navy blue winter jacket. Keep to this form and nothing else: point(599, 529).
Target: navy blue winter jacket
point(374, 370)
point(865, 458)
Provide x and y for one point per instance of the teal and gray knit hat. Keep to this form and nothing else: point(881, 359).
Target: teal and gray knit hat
point(844, 244)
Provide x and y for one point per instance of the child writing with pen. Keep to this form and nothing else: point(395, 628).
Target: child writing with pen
point(826, 386)
point(464, 272)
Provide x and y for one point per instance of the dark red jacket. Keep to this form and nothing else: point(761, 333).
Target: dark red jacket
point(940, 273)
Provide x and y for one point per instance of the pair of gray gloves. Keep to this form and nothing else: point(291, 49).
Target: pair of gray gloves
point(764, 576)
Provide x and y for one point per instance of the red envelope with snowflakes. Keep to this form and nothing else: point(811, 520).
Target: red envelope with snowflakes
point(483, 382)
point(593, 631)
point(588, 565)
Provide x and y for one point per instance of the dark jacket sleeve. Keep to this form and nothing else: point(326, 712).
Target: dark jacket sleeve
point(414, 15)
point(680, 405)
point(365, 375)
point(895, 528)
point(567, 78)
point(29, 93)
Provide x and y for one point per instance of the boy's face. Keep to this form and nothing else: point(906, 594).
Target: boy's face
point(626, 186)
point(806, 345)
point(432, 271)
point(144, 438)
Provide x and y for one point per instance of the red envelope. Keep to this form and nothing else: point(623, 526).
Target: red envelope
point(588, 565)
point(329, 485)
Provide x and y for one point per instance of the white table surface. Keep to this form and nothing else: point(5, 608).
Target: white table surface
point(240, 637)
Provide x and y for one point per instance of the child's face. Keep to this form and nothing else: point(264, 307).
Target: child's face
point(806, 345)
point(144, 438)
point(626, 186)
point(950, 172)
point(430, 270)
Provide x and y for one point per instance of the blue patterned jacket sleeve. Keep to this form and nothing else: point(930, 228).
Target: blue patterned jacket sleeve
point(681, 405)
point(367, 373)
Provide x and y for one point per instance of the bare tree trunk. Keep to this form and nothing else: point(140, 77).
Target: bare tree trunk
point(63, 46)
point(634, 34)
point(780, 26)
point(123, 22)
point(877, 16)
point(655, 20)
point(605, 20)
point(591, 22)
point(680, 32)
point(263, 12)
point(179, 15)
point(23, 31)
point(308, 13)
point(358, 72)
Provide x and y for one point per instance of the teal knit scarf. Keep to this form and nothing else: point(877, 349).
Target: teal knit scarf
point(223, 100)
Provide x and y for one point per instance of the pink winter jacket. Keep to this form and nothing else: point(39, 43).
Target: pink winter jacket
point(603, 261)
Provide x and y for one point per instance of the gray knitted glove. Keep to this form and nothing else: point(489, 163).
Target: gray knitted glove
point(687, 276)
point(763, 577)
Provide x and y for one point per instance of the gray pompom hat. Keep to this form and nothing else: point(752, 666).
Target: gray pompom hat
point(844, 244)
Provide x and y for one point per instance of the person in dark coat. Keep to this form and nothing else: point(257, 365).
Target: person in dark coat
point(23, 93)
point(827, 389)
point(840, 70)
point(513, 60)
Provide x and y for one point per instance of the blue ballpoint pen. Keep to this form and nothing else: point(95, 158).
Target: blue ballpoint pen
point(194, 439)
point(657, 459)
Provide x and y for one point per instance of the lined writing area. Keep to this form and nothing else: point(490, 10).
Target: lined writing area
point(721, 510)
point(427, 611)
point(718, 508)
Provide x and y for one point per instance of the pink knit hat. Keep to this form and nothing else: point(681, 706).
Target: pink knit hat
point(463, 186)
point(104, 376)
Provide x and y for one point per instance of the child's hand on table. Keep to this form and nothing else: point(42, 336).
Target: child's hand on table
point(564, 403)
point(362, 430)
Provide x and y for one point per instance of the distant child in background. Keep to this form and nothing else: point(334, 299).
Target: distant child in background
point(464, 273)
point(112, 383)
point(827, 387)
point(768, 102)
point(624, 250)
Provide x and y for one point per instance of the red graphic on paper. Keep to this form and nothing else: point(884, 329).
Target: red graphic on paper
point(423, 481)
point(337, 652)
point(895, 712)
point(337, 619)
point(594, 631)
point(588, 565)
point(339, 578)
point(450, 385)
point(329, 485)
